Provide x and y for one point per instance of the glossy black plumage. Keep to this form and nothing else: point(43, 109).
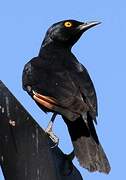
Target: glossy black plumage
point(58, 76)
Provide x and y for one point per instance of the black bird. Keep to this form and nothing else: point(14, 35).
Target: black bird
point(59, 83)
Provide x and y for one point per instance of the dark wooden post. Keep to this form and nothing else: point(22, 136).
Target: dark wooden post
point(25, 150)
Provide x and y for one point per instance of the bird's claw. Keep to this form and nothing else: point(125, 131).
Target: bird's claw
point(53, 137)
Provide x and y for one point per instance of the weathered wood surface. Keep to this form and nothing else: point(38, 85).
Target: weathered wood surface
point(25, 150)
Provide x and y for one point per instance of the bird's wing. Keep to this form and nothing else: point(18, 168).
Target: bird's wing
point(81, 76)
point(55, 90)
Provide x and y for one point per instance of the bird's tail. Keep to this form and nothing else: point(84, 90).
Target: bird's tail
point(87, 148)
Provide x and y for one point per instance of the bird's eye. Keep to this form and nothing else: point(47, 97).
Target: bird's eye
point(67, 24)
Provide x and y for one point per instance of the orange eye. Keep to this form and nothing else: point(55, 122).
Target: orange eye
point(67, 24)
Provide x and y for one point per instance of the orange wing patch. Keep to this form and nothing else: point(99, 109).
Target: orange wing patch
point(46, 101)
point(52, 104)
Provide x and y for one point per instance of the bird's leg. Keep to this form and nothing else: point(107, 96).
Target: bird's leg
point(49, 131)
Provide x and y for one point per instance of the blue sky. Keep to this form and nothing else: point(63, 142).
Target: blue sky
point(22, 28)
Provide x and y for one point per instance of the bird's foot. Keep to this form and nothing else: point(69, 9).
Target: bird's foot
point(50, 133)
point(53, 137)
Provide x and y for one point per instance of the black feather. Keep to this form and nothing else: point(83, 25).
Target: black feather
point(87, 148)
point(57, 73)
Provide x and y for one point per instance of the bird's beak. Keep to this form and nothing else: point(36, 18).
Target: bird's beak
point(85, 26)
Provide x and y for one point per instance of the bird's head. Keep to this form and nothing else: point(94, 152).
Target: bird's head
point(67, 32)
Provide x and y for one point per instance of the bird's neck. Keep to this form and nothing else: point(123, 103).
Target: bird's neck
point(54, 46)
